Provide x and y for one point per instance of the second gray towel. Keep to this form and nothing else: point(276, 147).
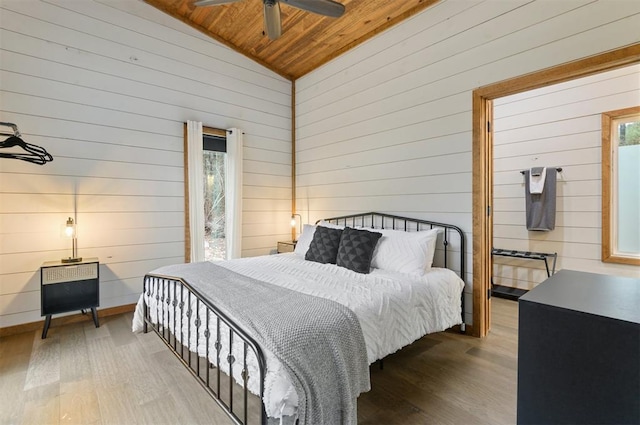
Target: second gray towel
point(541, 207)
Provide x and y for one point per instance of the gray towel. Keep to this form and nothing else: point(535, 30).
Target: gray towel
point(541, 207)
point(537, 171)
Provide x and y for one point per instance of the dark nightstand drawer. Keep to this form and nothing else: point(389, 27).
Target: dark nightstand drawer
point(66, 287)
point(69, 296)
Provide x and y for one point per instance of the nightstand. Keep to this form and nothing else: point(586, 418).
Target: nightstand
point(67, 287)
point(286, 246)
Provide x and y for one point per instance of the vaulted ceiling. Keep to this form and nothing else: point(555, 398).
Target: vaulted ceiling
point(308, 40)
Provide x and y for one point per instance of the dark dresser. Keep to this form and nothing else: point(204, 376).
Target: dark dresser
point(579, 350)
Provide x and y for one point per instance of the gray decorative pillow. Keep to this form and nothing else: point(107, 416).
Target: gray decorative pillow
point(324, 245)
point(356, 249)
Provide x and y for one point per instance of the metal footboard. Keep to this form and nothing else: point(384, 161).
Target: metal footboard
point(185, 320)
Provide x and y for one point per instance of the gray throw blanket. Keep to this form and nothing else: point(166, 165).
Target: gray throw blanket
point(541, 207)
point(319, 341)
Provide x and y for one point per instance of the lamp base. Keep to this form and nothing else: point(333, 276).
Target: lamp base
point(71, 260)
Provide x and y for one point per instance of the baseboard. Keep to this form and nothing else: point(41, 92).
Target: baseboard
point(59, 321)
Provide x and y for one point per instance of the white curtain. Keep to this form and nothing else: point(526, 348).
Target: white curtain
point(233, 193)
point(196, 189)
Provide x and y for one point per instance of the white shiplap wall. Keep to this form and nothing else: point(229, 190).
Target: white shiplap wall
point(105, 86)
point(387, 126)
point(556, 126)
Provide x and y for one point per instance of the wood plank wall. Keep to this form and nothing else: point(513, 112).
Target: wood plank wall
point(387, 126)
point(556, 126)
point(105, 87)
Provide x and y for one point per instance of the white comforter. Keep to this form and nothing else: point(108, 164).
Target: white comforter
point(393, 309)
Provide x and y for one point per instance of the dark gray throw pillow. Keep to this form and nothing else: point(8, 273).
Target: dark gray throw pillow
point(324, 245)
point(356, 249)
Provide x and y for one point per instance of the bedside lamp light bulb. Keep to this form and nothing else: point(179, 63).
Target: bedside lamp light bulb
point(69, 230)
point(293, 225)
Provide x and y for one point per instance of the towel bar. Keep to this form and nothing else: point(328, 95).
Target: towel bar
point(558, 169)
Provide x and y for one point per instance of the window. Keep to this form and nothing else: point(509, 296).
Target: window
point(214, 178)
point(213, 193)
point(621, 186)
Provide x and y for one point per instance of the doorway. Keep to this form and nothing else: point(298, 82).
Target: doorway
point(483, 160)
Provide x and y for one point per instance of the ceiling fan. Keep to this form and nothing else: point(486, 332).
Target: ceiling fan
point(272, 21)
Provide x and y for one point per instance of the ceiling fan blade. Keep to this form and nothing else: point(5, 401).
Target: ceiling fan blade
point(272, 22)
point(201, 3)
point(322, 7)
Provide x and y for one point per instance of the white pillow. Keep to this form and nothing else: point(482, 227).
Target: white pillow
point(405, 252)
point(330, 225)
point(305, 239)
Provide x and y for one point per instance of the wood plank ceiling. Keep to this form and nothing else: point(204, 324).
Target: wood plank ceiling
point(308, 40)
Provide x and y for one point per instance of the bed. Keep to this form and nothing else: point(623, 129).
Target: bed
point(393, 300)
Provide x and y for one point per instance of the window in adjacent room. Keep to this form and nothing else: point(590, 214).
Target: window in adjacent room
point(621, 186)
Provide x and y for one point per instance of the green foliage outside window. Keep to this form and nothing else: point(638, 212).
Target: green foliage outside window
point(629, 134)
point(214, 174)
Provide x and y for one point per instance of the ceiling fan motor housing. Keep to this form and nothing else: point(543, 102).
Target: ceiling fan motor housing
point(272, 20)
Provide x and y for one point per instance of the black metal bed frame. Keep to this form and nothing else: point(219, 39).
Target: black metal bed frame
point(376, 220)
point(177, 296)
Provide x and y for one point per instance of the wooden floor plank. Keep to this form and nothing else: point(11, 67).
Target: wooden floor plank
point(74, 356)
point(79, 403)
point(111, 381)
point(42, 404)
point(11, 395)
point(15, 352)
point(145, 378)
point(91, 332)
point(161, 411)
point(44, 362)
point(115, 406)
point(196, 406)
point(120, 330)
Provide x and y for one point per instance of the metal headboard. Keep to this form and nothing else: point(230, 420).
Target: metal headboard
point(376, 220)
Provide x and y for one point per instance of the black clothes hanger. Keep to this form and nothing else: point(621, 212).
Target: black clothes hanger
point(32, 153)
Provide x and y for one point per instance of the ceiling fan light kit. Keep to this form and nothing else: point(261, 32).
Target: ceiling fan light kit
point(272, 19)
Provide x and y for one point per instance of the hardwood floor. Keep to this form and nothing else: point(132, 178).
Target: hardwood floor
point(448, 378)
point(108, 375)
